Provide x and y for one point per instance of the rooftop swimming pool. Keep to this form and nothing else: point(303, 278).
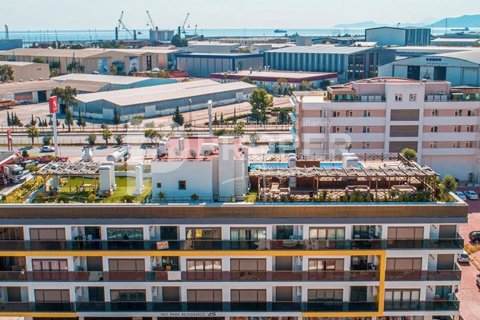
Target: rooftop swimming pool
point(281, 165)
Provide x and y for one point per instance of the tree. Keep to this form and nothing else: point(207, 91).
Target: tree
point(116, 117)
point(75, 67)
point(37, 60)
point(32, 122)
point(47, 140)
point(32, 133)
point(136, 121)
point(9, 122)
point(69, 119)
point(247, 80)
point(151, 134)
point(234, 115)
point(281, 83)
point(239, 129)
point(177, 41)
point(305, 86)
point(119, 139)
point(409, 154)
point(221, 118)
point(91, 139)
point(6, 73)
point(449, 184)
point(215, 121)
point(106, 134)
point(81, 121)
point(178, 117)
point(283, 117)
point(260, 100)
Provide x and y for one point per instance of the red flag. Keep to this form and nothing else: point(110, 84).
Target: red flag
point(9, 139)
point(53, 104)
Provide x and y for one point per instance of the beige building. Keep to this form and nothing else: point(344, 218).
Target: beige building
point(27, 71)
point(101, 61)
point(386, 115)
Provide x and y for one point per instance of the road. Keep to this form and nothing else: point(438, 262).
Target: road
point(469, 293)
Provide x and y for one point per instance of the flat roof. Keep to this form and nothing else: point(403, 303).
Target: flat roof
point(41, 85)
point(220, 55)
point(470, 56)
point(16, 63)
point(472, 40)
point(275, 75)
point(165, 92)
point(213, 43)
point(399, 28)
point(81, 53)
point(432, 49)
point(122, 80)
point(321, 49)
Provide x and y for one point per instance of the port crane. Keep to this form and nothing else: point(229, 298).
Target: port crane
point(7, 33)
point(184, 24)
point(152, 24)
point(122, 25)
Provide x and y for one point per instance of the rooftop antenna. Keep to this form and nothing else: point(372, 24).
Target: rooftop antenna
point(446, 25)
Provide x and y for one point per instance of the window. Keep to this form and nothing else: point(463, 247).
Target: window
point(327, 233)
point(325, 295)
point(182, 185)
point(433, 144)
point(434, 113)
point(248, 264)
point(336, 129)
point(47, 234)
point(405, 233)
point(49, 265)
point(127, 295)
point(456, 144)
point(159, 185)
point(126, 264)
point(204, 295)
point(406, 295)
point(204, 265)
point(398, 97)
point(366, 113)
point(204, 233)
point(470, 113)
point(434, 129)
point(247, 295)
point(124, 234)
point(458, 113)
point(457, 129)
point(349, 113)
point(468, 144)
point(325, 265)
point(404, 264)
point(348, 129)
point(469, 128)
point(52, 295)
point(336, 114)
point(248, 234)
point(366, 129)
point(366, 145)
point(412, 97)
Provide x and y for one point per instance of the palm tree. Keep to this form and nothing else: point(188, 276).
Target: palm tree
point(68, 96)
point(106, 134)
point(32, 133)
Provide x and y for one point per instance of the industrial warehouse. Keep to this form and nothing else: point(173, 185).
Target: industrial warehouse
point(162, 100)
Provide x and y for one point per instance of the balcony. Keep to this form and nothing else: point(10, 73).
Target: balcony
point(192, 276)
point(423, 275)
point(204, 245)
point(422, 305)
point(128, 307)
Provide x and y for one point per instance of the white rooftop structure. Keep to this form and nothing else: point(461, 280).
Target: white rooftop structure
point(121, 80)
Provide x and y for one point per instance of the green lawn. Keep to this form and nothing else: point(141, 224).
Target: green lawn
point(125, 186)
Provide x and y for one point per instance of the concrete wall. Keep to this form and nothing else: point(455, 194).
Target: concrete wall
point(31, 72)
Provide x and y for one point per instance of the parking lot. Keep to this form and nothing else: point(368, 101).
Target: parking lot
point(469, 293)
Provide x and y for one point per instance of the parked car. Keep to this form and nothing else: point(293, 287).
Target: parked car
point(461, 195)
point(472, 195)
point(474, 236)
point(463, 258)
point(47, 149)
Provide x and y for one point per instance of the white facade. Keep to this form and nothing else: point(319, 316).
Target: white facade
point(387, 117)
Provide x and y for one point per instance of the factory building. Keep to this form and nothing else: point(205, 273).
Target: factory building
point(390, 36)
point(459, 68)
point(103, 61)
point(202, 65)
point(354, 62)
point(112, 83)
point(279, 80)
point(161, 100)
point(27, 71)
point(460, 42)
point(212, 47)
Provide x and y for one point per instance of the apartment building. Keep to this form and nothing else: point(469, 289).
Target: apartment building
point(283, 256)
point(385, 115)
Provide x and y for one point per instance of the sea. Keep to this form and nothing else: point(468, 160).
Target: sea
point(98, 35)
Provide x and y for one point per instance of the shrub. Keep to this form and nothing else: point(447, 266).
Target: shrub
point(409, 154)
point(91, 198)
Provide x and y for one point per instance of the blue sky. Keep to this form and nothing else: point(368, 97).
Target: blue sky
point(103, 14)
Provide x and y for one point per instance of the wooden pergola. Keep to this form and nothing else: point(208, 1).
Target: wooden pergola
point(71, 169)
point(386, 176)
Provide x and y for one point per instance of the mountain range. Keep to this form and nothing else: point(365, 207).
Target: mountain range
point(470, 21)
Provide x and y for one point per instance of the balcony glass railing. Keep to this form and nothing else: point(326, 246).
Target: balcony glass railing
point(203, 245)
point(221, 276)
point(423, 275)
point(320, 306)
